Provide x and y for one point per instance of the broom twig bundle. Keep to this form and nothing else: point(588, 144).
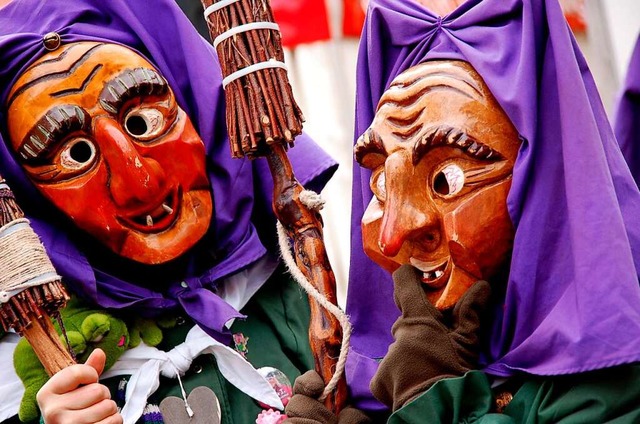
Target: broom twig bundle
point(262, 120)
point(30, 290)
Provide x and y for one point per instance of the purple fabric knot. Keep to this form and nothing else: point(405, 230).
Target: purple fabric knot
point(205, 307)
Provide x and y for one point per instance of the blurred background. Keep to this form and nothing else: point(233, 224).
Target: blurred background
point(321, 42)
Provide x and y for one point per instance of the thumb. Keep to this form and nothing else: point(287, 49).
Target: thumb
point(309, 384)
point(96, 360)
point(410, 296)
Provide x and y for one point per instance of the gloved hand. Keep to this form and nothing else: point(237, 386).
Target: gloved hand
point(425, 349)
point(305, 408)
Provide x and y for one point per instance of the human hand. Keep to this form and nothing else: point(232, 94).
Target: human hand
point(426, 349)
point(74, 395)
point(305, 408)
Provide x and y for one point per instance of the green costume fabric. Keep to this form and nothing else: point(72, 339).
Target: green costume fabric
point(276, 329)
point(610, 395)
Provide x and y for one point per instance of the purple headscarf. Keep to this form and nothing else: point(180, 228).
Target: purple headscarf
point(626, 124)
point(572, 302)
point(241, 188)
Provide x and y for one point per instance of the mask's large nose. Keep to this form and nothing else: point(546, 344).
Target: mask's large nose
point(133, 179)
point(409, 213)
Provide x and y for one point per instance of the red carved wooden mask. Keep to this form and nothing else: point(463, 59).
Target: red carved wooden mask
point(99, 132)
point(442, 153)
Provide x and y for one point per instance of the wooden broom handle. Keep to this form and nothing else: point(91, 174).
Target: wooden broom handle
point(47, 345)
point(305, 229)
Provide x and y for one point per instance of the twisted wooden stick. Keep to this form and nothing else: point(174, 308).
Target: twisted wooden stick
point(263, 119)
point(28, 312)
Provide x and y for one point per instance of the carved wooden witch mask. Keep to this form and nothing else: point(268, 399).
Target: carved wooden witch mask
point(98, 131)
point(441, 151)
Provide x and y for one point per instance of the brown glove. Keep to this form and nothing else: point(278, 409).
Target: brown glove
point(425, 349)
point(305, 408)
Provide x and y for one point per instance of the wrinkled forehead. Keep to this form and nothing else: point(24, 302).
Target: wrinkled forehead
point(75, 74)
point(446, 94)
point(450, 75)
point(438, 86)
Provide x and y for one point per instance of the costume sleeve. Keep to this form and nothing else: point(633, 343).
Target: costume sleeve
point(609, 395)
point(466, 399)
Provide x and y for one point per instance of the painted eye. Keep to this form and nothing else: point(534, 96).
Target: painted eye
point(78, 154)
point(144, 123)
point(449, 180)
point(378, 184)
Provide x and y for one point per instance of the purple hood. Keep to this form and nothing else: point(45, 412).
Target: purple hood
point(572, 302)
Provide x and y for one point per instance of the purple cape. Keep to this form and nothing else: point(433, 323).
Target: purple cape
point(572, 302)
point(241, 188)
point(626, 124)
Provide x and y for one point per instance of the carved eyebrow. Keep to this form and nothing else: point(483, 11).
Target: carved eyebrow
point(369, 143)
point(56, 124)
point(453, 137)
point(130, 84)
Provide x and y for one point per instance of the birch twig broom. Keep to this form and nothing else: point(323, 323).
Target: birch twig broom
point(263, 119)
point(30, 289)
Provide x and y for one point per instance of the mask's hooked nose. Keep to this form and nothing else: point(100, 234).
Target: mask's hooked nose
point(133, 178)
point(405, 221)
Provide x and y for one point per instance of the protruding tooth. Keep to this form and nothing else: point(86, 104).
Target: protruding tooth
point(167, 208)
point(149, 221)
point(439, 273)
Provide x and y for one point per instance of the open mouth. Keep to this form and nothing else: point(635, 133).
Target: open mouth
point(158, 218)
point(434, 275)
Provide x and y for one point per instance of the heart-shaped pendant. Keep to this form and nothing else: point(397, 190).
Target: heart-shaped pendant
point(202, 401)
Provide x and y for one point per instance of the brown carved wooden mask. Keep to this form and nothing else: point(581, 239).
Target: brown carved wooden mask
point(441, 151)
point(98, 131)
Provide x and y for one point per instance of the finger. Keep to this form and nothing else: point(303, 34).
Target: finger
point(468, 312)
point(351, 415)
point(79, 399)
point(309, 384)
point(86, 396)
point(103, 410)
point(306, 408)
point(96, 360)
point(298, 420)
point(113, 419)
point(69, 379)
point(62, 410)
point(409, 294)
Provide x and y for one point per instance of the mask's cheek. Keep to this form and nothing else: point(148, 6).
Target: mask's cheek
point(480, 230)
point(73, 195)
point(183, 157)
point(371, 221)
